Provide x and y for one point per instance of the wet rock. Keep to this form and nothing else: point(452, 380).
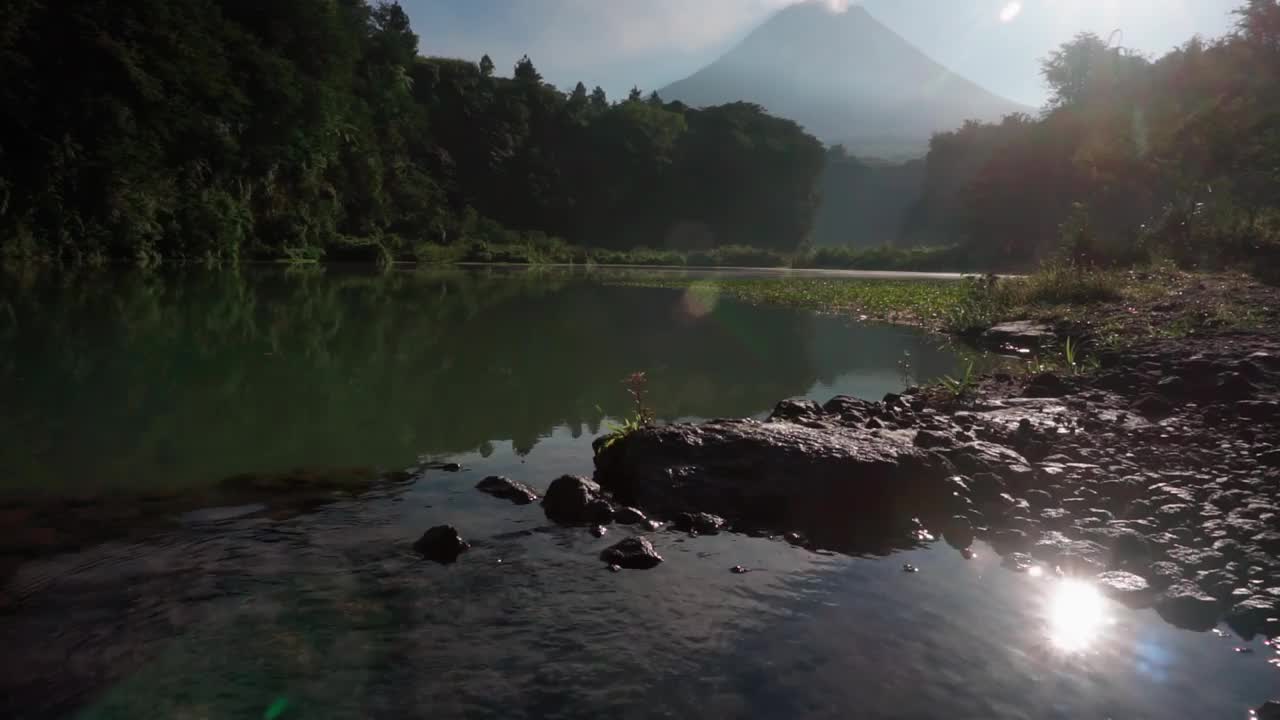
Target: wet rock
point(1126, 587)
point(1018, 562)
point(841, 485)
point(573, 500)
point(1164, 574)
point(1010, 540)
point(958, 532)
point(629, 516)
point(909, 568)
point(1187, 606)
point(1218, 583)
point(986, 457)
point(442, 544)
point(738, 570)
point(1270, 710)
point(700, 523)
point(1152, 406)
point(599, 530)
point(1196, 559)
point(1248, 617)
point(1078, 557)
point(508, 489)
point(634, 553)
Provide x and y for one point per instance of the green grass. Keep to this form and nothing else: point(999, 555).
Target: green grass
point(917, 302)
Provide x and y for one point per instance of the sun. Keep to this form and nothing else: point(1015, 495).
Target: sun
point(1010, 12)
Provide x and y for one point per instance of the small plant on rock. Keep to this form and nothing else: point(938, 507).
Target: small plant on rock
point(642, 416)
point(960, 388)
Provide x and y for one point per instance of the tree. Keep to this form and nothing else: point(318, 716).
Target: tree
point(486, 67)
point(635, 95)
point(599, 101)
point(526, 73)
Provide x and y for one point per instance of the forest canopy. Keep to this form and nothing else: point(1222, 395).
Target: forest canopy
point(1135, 158)
point(219, 130)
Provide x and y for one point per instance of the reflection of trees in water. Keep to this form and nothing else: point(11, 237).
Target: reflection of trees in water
point(125, 378)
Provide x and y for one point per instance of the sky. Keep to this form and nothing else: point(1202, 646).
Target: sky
point(649, 43)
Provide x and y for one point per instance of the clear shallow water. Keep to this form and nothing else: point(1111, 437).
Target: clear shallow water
point(330, 614)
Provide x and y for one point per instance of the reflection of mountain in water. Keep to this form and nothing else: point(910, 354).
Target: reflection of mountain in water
point(118, 379)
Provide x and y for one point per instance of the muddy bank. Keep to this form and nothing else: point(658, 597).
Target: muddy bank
point(1161, 466)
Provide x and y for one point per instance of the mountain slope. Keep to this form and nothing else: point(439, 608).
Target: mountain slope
point(847, 78)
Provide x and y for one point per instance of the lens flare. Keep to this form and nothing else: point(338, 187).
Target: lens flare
point(1010, 12)
point(1076, 615)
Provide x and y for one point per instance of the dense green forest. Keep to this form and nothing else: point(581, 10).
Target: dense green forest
point(1176, 157)
point(234, 129)
point(220, 130)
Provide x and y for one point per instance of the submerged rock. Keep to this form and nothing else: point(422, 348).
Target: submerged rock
point(508, 489)
point(634, 553)
point(442, 544)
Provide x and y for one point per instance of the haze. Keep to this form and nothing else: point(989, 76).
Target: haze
point(996, 43)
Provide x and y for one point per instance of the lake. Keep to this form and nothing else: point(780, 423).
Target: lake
point(122, 385)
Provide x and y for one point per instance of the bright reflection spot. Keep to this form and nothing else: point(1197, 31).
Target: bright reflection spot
point(1076, 615)
point(1010, 11)
point(1035, 571)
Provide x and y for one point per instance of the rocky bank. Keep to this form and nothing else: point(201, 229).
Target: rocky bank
point(1160, 468)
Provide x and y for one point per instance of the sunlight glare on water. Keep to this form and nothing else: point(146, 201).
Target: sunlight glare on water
point(1076, 615)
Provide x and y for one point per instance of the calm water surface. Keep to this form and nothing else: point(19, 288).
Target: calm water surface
point(125, 384)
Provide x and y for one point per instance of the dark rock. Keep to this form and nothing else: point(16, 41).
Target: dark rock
point(986, 457)
point(1018, 562)
point(442, 544)
point(1038, 499)
point(1126, 587)
point(572, 500)
point(507, 489)
point(845, 487)
point(1152, 406)
point(634, 553)
point(700, 523)
point(599, 530)
point(1046, 385)
point(909, 568)
point(796, 410)
point(1248, 617)
point(1187, 606)
point(1270, 710)
point(600, 511)
point(1268, 541)
point(1008, 540)
point(1019, 335)
point(931, 439)
point(629, 516)
point(958, 532)
point(1078, 557)
point(1196, 559)
point(1163, 574)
